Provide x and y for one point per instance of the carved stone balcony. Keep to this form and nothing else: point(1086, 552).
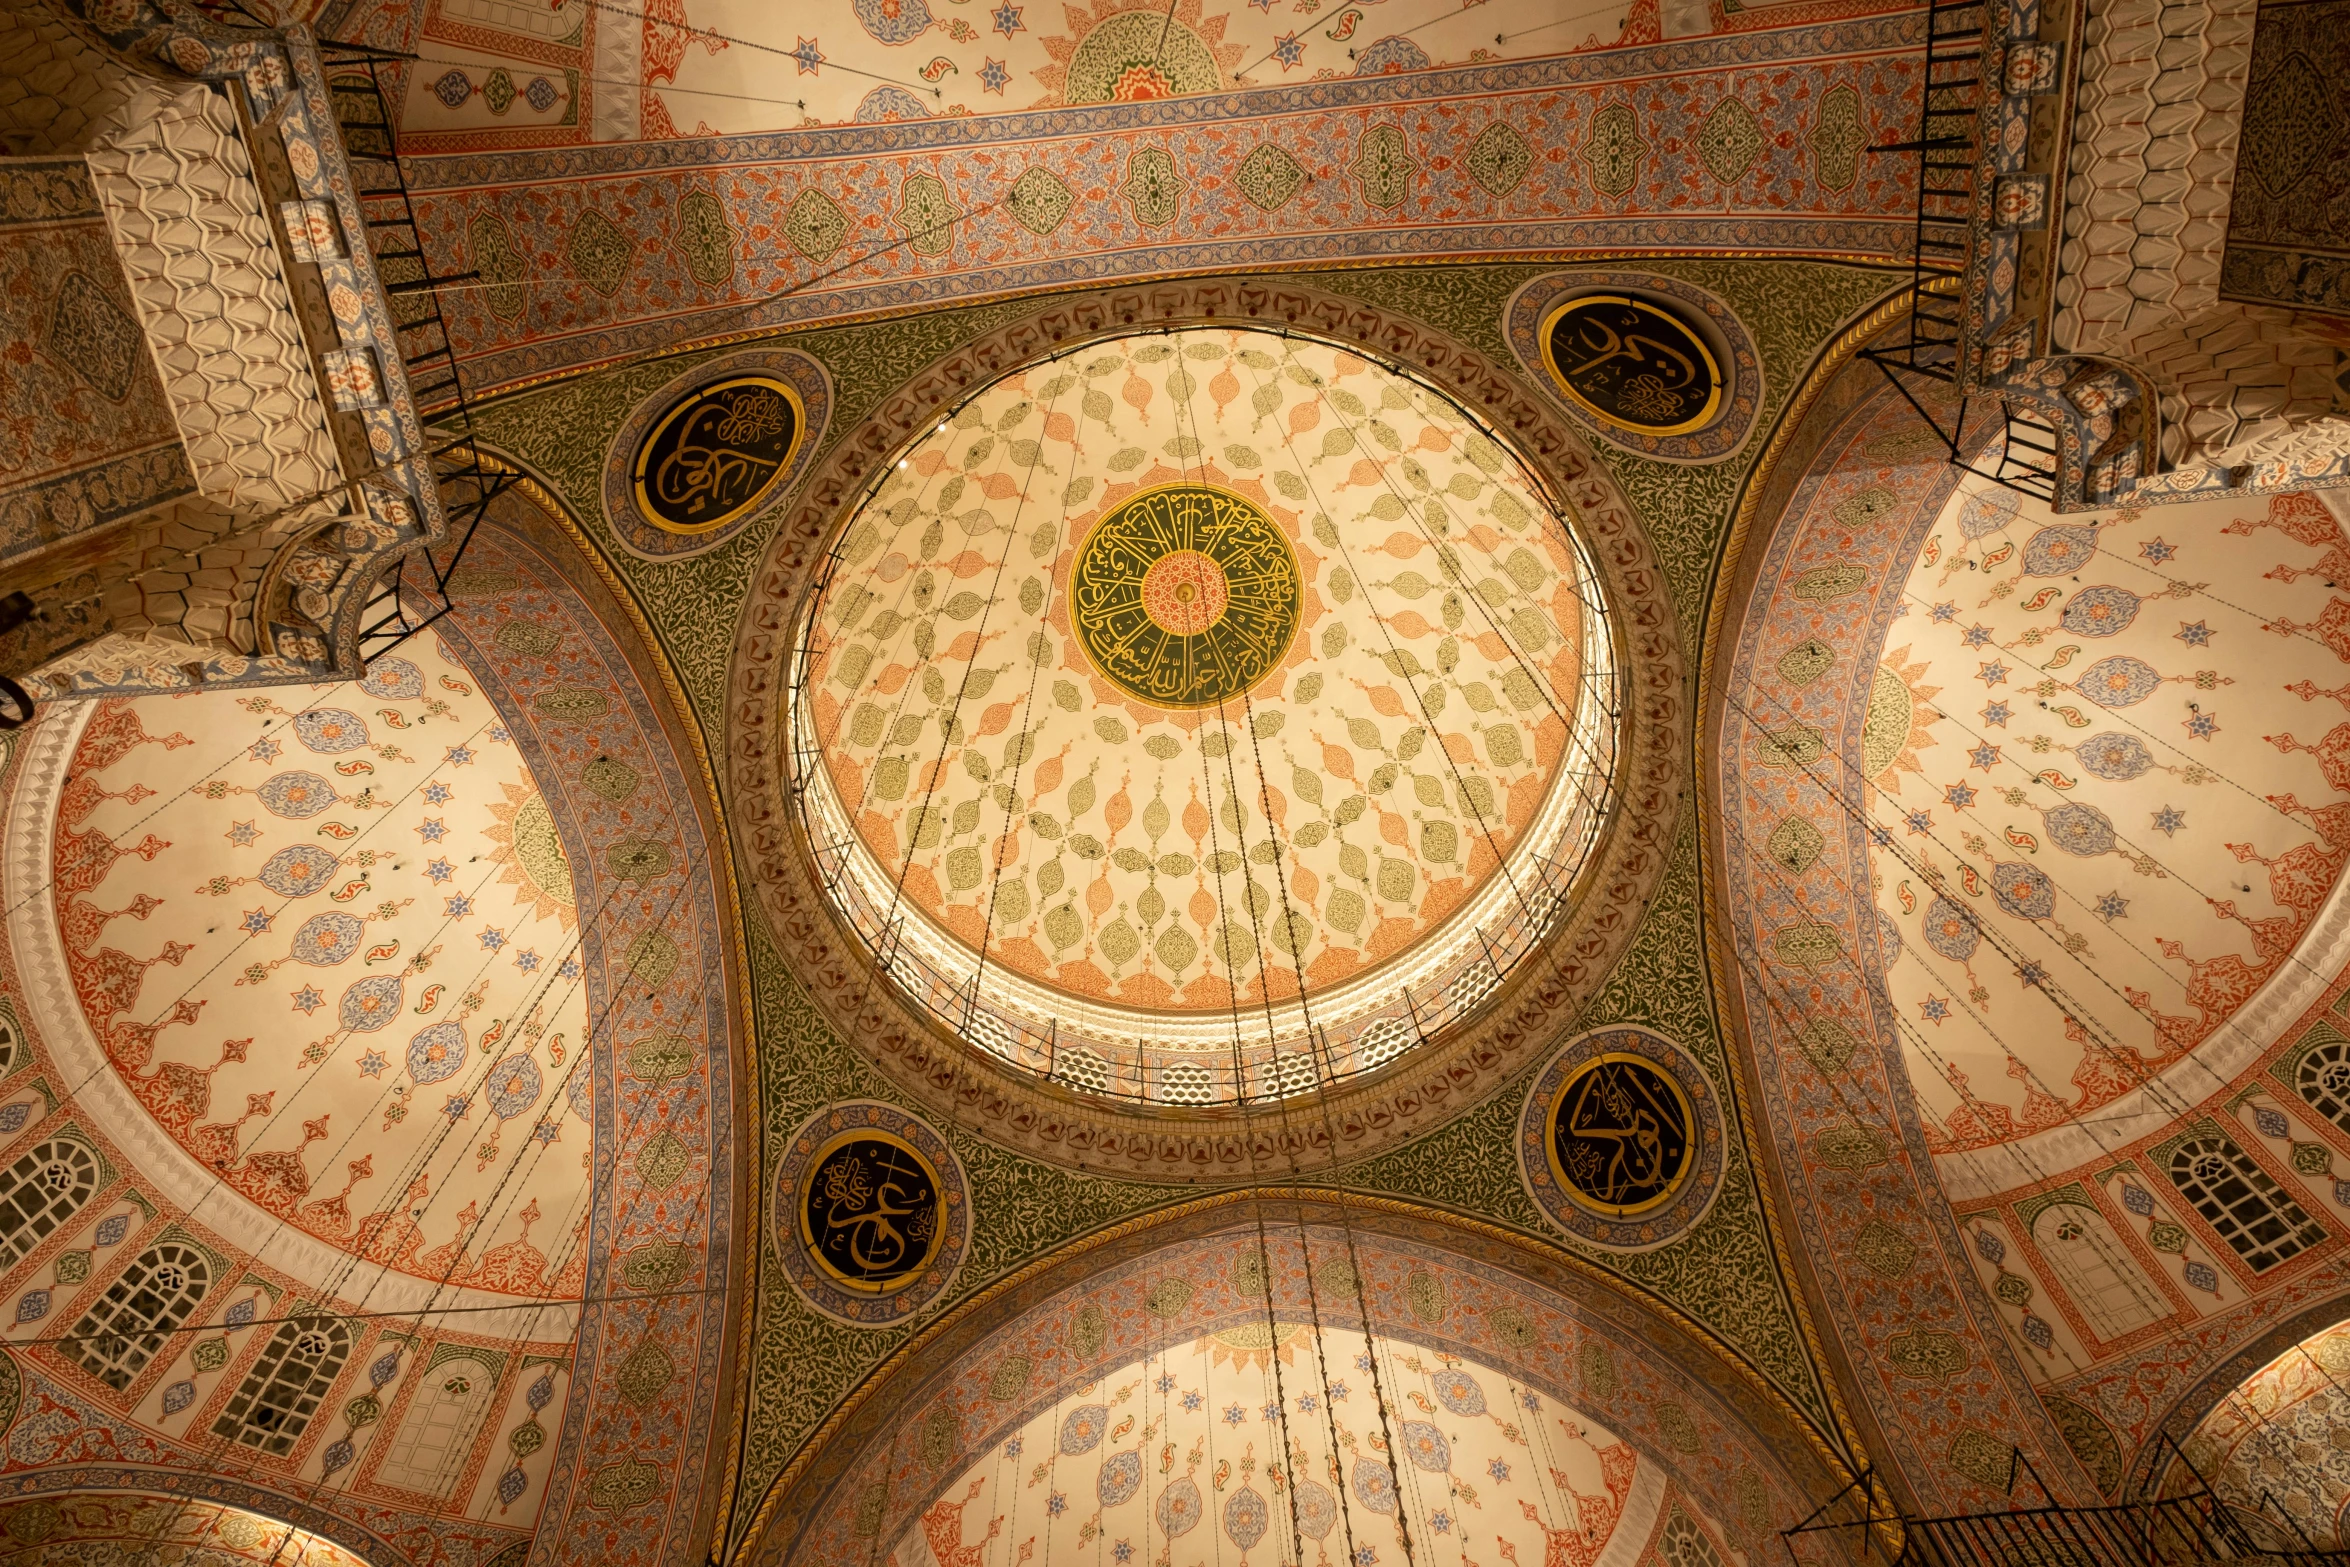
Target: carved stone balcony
point(221, 454)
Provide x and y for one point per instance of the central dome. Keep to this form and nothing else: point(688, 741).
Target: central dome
point(1199, 716)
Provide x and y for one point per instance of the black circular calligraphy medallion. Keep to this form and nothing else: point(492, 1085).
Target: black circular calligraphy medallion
point(718, 453)
point(1185, 595)
point(1633, 363)
point(871, 1211)
point(1621, 1135)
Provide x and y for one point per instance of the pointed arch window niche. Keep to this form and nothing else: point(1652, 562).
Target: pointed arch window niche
point(45, 1187)
point(134, 1319)
point(296, 1371)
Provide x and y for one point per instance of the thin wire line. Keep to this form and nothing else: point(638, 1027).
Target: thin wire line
point(689, 31)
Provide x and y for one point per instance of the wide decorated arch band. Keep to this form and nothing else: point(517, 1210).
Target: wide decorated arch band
point(1620, 1138)
point(872, 1212)
point(708, 452)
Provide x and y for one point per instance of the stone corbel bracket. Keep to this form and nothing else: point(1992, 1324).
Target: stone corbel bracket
point(310, 615)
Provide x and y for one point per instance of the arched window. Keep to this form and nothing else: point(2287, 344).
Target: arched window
point(1290, 1072)
point(444, 1414)
point(2097, 1274)
point(2324, 1080)
point(2236, 1197)
point(1186, 1083)
point(1083, 1068)
point(287, 1384)
point(46, 1186)
point(1685, 1545)
point(136, 1316)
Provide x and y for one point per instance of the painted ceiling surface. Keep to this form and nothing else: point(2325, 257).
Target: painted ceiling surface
point(1749, 141)
point(1408, 752)
point(2006, 901)
point(2281, 1433)
point(729, 68)
point(123, 1530)
point(1261, 1438)
point(366, 1184)
point(372, 906)
point(1180, 1398)
point(2108, 798)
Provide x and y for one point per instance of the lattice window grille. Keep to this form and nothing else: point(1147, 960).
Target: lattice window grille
point(1186, 1083)
point(296, 1370)
point(1382, 1042)
point(2097, 1274)
point(991, 1034)
point(2260, 1222)
point(442, 1419)
point(1081, 1068)
point(1685, 1544)
point(125, 1327)
point(2323, 1078)
point(1291, 1072)
point(44, 1188)
point(1475, 983)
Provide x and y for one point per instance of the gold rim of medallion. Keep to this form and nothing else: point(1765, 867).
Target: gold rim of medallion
point(783, 464)
point(1689, 1137)
point(1713, 368)
point(938, 1204)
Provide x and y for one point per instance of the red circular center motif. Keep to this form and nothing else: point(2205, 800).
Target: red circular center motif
point(1184, 592)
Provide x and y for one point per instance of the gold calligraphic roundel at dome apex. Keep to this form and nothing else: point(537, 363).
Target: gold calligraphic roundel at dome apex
point(1185, 596)
point(1201, 716)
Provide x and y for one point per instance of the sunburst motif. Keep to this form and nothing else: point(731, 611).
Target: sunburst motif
point(532, 855)
point(1106, 58)
point(1896, 729)
point(1253, 1344)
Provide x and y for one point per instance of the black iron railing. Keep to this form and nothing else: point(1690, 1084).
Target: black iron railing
point(2183, 1527)
point(414, 593)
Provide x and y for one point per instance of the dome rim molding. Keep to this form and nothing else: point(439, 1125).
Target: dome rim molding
point(1425, 1086)
point(850, 1425)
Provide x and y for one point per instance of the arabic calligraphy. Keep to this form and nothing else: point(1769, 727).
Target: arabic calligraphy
point(870, 1211)
point(1620, 1135)
point(1185, 595)
point(717, 454)
point(1633, 364)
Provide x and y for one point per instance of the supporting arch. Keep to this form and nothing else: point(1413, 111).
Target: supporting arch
point(1453, 1285)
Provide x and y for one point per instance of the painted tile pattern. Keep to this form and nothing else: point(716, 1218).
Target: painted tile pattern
point(600, 252)
point(460, 1438)
point(2277, 1435)
point(1177, 1342)
point(358, 931)
point(1427, 733)
point(122, 1527)
point(1924, 782)
point(2092, 784)
point(85, 433)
